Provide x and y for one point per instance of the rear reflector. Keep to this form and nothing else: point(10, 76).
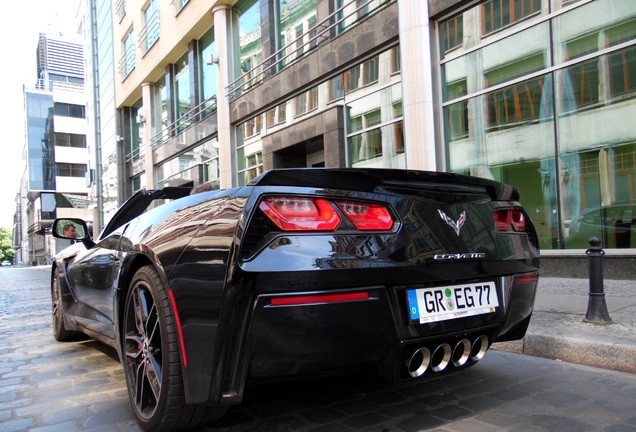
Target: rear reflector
point(526, 279)
point(367, 216)
point(300, 214)
point(318, 298)
point(179, 328)
point(510, 220)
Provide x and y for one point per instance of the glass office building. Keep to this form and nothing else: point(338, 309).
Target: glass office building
point(541, 94)
point(535, 93)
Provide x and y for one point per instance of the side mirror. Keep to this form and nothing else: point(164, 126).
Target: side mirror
point(71, 229)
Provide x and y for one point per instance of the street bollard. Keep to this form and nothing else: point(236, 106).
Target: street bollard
point(596, 306)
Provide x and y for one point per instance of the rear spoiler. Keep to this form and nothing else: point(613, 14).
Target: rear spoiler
point(370, 179)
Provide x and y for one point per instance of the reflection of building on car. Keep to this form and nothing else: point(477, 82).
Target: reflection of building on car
point(300, 273)
point(614, 225)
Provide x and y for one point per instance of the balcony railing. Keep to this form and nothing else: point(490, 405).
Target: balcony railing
point(324, 30)
point(127, 61)
point(149, 33)
point(120, 9)
point(185, 122)
point(321, 31)
point(51, 85)
point(135, 155)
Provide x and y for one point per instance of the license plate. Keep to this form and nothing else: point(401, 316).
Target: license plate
point(445, 303)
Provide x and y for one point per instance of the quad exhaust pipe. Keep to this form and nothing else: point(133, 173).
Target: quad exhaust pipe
point(421, 359)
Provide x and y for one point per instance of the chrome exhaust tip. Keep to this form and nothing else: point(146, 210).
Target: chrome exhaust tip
point(461, 353)
point(479, 348)
point(418, 362)
point(441, 357)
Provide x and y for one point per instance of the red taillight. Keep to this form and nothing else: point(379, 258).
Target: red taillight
point(502, 220)
point(510, 220)
point(299, 214)
point(318, 298)
point(318, 214)
point(367, 216)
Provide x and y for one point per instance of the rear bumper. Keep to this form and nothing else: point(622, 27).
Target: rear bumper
point(322, 337)
point(371, 332)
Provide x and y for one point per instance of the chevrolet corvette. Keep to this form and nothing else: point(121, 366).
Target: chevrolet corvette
point(300, 273)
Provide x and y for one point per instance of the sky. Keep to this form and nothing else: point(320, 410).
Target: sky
point(20, 24)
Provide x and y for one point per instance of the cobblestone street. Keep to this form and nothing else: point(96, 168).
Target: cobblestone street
point(51, 386)
point(44, 383)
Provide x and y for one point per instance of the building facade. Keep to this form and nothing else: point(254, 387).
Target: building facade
point(539, 94)
point(106, 166)
point(536, 93)
point(55, 151)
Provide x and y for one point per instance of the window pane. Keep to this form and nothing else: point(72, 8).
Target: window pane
point(497, 14)
point(160, 109)
point(561, 135)
point(208, 79)
point(152, 23)
point(622, 70)
point(129, 53)
point(70, 140)
point(295, 21)
point(379, 148)
point(451, 33)
point(62, 139)
point(354, 11)
point(250, 46)
point(250, 162)
point(614, 23)
point(336, 87)
point(78, 141)
point(183, 103)
point(520, 103)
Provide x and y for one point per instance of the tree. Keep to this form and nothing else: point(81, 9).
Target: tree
point(6, 244)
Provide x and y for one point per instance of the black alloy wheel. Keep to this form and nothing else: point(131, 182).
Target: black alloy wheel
point(152, 359)
point(60, 333)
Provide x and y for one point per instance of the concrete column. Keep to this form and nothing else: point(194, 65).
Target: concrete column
point(224, 53)
point(417, 85)
point(146, 100)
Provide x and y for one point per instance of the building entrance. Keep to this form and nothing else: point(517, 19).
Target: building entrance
point(310, 154)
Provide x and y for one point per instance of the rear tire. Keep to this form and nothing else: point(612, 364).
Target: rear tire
point(60, 333)
point(152, 360)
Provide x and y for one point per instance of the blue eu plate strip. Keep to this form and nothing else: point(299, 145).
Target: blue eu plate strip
point(413, 309)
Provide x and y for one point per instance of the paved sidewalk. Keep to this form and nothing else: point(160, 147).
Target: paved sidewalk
point(557, 329)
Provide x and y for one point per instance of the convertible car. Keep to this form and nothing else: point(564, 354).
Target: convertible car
point(300, 273)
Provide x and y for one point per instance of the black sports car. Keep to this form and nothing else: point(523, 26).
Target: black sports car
point(302, 272)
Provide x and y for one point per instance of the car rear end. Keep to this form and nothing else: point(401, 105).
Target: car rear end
point(409, 273)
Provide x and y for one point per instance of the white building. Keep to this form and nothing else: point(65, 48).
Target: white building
point(54, 180)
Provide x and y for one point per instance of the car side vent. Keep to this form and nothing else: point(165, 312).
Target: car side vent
point(258, 228)
point(236, 342)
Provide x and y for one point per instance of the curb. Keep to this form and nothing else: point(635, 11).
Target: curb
point(603, 355)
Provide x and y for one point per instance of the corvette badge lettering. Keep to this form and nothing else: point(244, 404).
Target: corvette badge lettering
point(459, 256)
point(451, 223)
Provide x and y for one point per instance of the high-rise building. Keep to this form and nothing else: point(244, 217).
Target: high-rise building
point(106, 167)
point(535, 93)
point(54, 181)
